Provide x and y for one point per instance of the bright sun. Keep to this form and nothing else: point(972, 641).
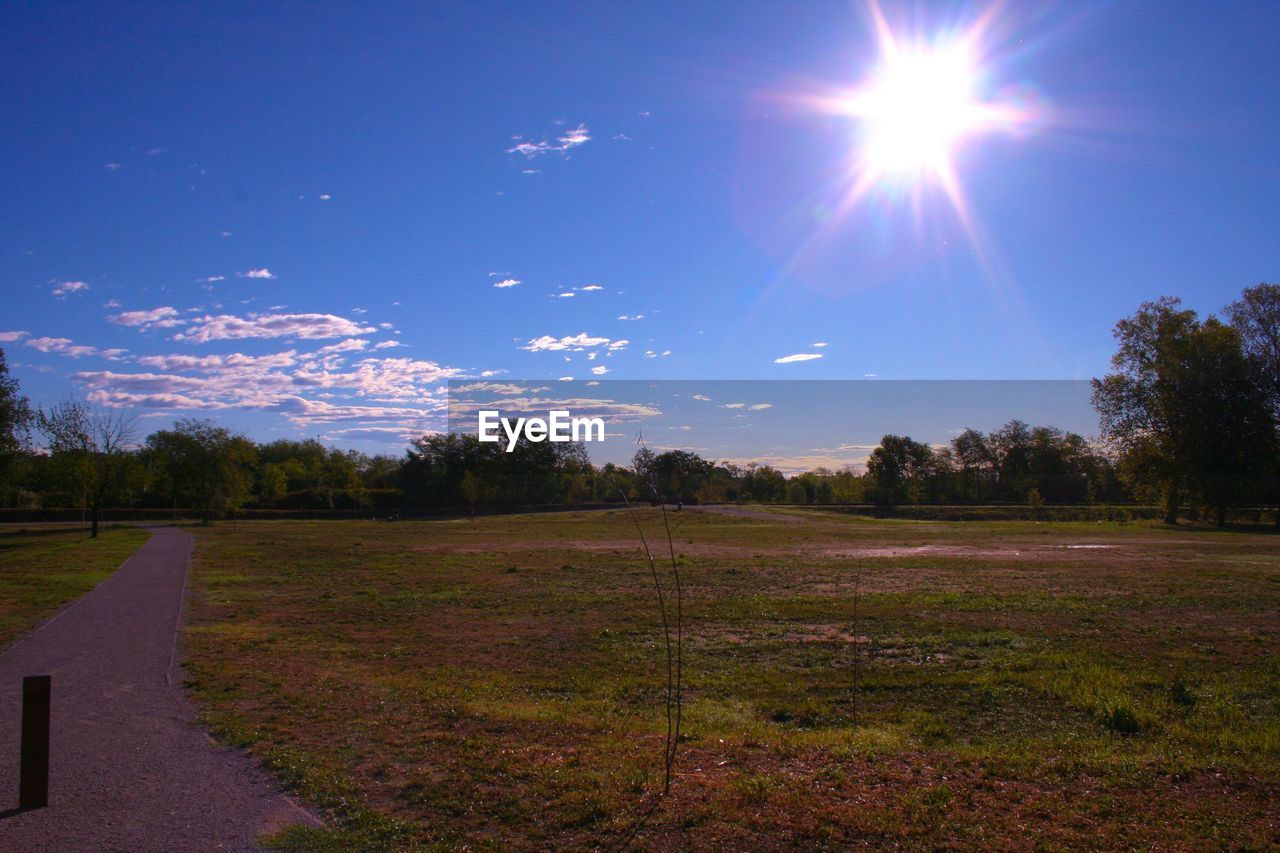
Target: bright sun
point(923, 101)
point(915, 111)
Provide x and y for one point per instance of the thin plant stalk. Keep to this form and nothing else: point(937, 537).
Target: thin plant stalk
point(675, 573)
point(668, 748)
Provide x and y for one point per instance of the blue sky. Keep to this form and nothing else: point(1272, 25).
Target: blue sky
point(199, 200)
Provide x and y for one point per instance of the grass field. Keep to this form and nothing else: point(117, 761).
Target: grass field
point(498, 682)
point(44, 567)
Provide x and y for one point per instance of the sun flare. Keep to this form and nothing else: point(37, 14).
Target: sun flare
point(925, 98)
point(916, 110)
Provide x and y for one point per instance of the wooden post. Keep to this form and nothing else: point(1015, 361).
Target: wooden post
point(33, 778)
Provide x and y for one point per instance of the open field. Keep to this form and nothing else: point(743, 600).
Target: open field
point(43, 567)
point(498, 682)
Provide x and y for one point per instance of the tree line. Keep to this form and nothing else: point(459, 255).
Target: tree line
point(1189, 419)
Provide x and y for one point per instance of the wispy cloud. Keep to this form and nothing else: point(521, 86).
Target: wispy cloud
point(62, 289)
point(383, 434)
point(600, 371)
point(260, 272)
point(215, 363)
point(62, 346)
point(10, 337)
point(506, 282)
point(163, 317)
point(305, 326)
point(800, 356)
point(572, 343)
point(349, 345)
point(818, 344)
point(566, 142)
point(286, 383)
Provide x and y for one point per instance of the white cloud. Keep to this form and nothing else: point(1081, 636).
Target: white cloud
point(506, 282)
point(704, 398)
point(305, 326)
point(163, 317)
point(620, 344)
point(10, 337)
point(575, 137)
point(574, 343)
point(349, 345)
point(650, 354)
point(580, 135)
point(591, 287)
point(260, 272)
point(210, 279)
point(215, 363)
point(733, 406)
point(818, 344)
point(62, 346)
point(631, 317)
point(359, 310)
point(325, 196)
point(761, 406)
point(505, 388)
point(600, 371)
point(387, 344)
point(111, 303)
point(277, 383)
point(66, 288)
point(567, 294)
point(800, 463)
point(800, 356)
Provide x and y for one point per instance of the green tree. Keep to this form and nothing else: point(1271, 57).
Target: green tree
point(1230, 434)
point(1184, 406)
point(206, 465)
point(15, 421)
point(1140, 406)
point(1256, 317)
point(93, 451)
point(898, 468)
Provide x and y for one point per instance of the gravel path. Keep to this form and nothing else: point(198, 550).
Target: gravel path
point(131, 768)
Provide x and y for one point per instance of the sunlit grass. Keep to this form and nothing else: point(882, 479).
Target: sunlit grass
point(498, 681)
point(43, 568)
